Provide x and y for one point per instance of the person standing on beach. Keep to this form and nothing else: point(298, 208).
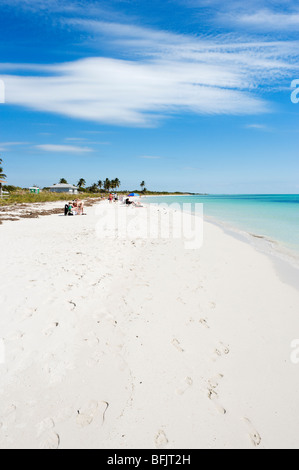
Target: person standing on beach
point(110, 198)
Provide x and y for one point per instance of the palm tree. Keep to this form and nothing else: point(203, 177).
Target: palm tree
point(142, 185)
point(100, 184)
point(117, 183)
point(2, 175)
point(63, 181)
point(107, 184)
point(93, 188)
point(81, 183)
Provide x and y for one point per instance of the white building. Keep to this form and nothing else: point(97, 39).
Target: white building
point(63, 188)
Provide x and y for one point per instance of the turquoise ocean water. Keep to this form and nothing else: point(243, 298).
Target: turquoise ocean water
point(275, 217)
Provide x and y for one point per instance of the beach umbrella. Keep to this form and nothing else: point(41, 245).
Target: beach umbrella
point(133, 195)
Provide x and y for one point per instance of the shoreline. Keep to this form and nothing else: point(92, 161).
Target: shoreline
point(286, 263)
point(285, 259)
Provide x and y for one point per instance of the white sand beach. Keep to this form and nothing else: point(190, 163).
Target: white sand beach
point(124, 344)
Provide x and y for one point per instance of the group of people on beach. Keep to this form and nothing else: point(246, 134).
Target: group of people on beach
point(112, 197)
point(75, 207)
point(124, 200)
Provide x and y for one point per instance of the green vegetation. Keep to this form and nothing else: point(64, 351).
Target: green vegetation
point(108, 185)
point(63, 181)
point(93, 189)
point(81, 183)
point(2, 175)
point(11, 189)
point(115, 183)
point(22, 197)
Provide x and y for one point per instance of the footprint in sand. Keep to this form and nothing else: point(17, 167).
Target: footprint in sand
point(204, 322)
point(214, 382)
point(87, 414)
point(221, 350)
point(175, 342)
point(50, 440)
point(213, 395)
point(188, 382)
point(161, 439)
point(253, 434)
point(73, 305)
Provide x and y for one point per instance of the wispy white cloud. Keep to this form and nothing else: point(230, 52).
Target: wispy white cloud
point(260, 15)
point(259, 127)
point(85, 141)
point(170, 74)
point(269, 20)
point(130, 93)
point(279, 15)
point(7, 146)
point(11, 144)
point(63, 148)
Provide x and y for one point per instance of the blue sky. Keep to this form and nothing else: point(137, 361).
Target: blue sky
point(187, 95)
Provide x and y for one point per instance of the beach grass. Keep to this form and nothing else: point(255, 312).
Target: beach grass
point(23, 197)
point(27, 198)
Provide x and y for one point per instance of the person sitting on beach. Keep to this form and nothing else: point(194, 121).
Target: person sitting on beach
point(128, 202)
point(68, 209)
point(135, 204)
point(78, 206)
